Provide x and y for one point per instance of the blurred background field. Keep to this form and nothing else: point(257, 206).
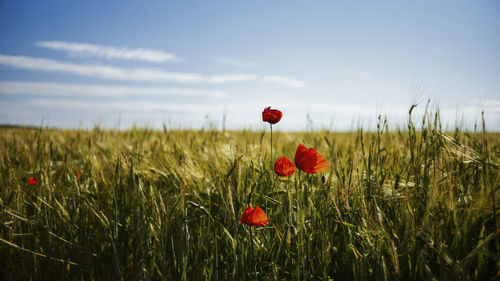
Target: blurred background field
point(416, 203)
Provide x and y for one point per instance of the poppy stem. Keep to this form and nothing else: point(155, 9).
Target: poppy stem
point(304, 234)
point(253, 256)
point(271, 125)
point(299, 225)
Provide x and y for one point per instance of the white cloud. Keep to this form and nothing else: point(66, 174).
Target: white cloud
point(84, 90)
point(138, 74)
point(69, 112)
point(91, 50)
point(227, 78)
point(293, 83)
point(234, 62)
point(124, 106)
point(477, 105)
point(292, 110)
point(468, 114)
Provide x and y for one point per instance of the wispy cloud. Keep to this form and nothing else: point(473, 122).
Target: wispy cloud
point(492, 106)
point(109, 52)
point(123, 106)
point(139, 74)
point(84, 90)
point(234, 62)
point(70, 111)
point(284, 80)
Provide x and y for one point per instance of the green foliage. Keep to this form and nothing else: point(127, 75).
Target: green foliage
point(413, 204)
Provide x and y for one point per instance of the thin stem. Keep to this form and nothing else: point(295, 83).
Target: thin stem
point(274, 184)
point(271, 167)
point(253, 256)
point(271, 125)
point(299, 226)
point(271, 158)
point(306, 235)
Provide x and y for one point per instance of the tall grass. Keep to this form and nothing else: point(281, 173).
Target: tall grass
point(410, 204)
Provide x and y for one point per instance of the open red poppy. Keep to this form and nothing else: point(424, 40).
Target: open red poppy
point(309, 160)
point(254, 217)
point(271, 116)
point(284, 167)
point(32, 181)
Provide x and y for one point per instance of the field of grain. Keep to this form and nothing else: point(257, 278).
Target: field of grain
point(416, 203)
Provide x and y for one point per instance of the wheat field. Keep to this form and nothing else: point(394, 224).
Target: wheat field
point(415, 203)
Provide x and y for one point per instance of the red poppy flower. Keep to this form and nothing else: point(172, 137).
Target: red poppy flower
point(271, 116)
point(78, 174)
point(309, 160)
point(284, 167)
point(32, 181)
point(254, 217)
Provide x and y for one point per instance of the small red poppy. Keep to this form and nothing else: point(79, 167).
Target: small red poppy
point(271, 116)
point(254, 217)
point(309, 160)
point(32, 181)
point(78, 174)
point(284, 167)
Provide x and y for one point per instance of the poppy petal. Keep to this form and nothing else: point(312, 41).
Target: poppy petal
point(284, 167)
point(246, 213)
point(271, 116)
point(32, 180)
point(309, 160)
point(254, 217)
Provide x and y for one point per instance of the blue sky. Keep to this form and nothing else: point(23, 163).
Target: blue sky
point(331, 64)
